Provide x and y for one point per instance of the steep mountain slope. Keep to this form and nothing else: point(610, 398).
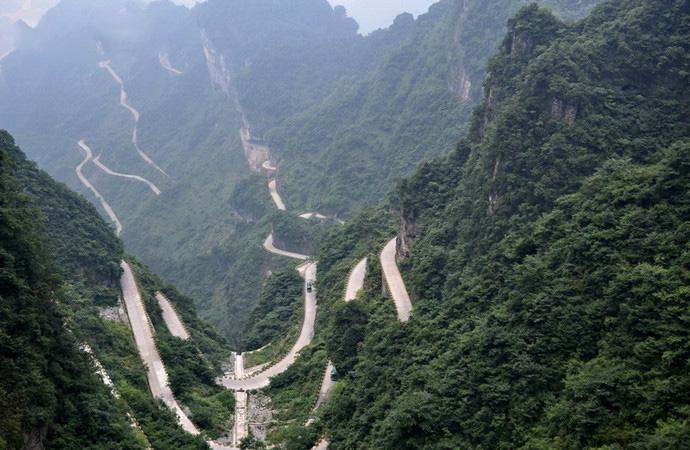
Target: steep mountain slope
point(83, 255)
point(280, 57)
point(48, 388)
point(350, 90)
point(159, 94)
point(102, 69)
point(547, 255)
point(414, 104)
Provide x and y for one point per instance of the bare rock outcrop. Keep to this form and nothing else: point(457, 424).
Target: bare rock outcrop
point(561, 110)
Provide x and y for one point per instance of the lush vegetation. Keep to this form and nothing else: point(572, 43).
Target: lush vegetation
point(250, 198)
point(293, 396)
point(350, 149)
point(283, 56)
point(80, 253)
point(347, 115)
point(297, 234)
point(549, 255)
point(192, 364)
point(279, 310)
point(49, 391)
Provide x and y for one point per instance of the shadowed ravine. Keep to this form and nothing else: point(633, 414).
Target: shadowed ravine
point(307, 270)
point(237, 381)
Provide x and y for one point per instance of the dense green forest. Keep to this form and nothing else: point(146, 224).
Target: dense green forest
point(547, 255)
point(544, 238)
point(49, 390)
point(413, 104)
point(73, 259)
point(279, 310)
point(346, 116)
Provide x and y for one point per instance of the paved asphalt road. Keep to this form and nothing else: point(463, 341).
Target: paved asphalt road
point(170, 317)
point(394, 280)
point(143, 336)
point(262, 380)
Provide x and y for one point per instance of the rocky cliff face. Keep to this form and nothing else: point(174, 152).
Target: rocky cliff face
point(459, 81)
point(35, 440)
point(561, 110)
point(406, 237)
point(218, 70)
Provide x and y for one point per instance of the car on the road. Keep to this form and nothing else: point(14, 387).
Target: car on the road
point(334, 373)
point(310, 285)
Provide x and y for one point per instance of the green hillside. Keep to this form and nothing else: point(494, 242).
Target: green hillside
point(345, 115)
point(48, 388)
point(62, 271)
point(533, 159)
point(547, 256)
point(414, 104)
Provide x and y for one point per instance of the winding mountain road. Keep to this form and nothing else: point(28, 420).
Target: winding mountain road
point(310, 215)
point(327, 384)
point(355, 282)
point(106, 169)
point(143, 336)
point(306, 270)
point(277, 199)
point(124, 102)
point(394, 281)
point(106, 206)
point(269, 167)
point(262, 379)
point(170, 317)
point(269, 247)
point(164, 61)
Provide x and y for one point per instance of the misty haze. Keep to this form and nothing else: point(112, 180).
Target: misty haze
point(370, 15)
point(344, 224)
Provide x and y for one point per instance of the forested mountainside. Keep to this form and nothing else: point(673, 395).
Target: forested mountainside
point(414, 104)
point(159, 93)
point(48, 387)
point(280, 57)
point(547, 255)
point(115, 71)
point(183, 128)
point(60, 292)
